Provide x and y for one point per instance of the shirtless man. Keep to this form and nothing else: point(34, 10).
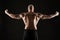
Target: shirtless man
point(30, 20)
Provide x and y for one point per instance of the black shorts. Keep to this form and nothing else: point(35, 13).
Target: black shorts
point(30, 35)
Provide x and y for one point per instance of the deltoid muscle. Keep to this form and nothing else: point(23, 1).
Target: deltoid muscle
point(30, 18)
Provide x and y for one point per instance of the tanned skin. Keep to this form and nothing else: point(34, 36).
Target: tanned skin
point(30, 18)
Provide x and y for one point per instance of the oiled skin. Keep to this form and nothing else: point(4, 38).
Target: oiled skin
point(29, 20)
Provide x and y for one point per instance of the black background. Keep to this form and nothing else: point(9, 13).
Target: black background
point(12, 29)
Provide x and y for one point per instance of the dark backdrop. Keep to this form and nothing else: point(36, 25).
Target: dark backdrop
point(12, 29)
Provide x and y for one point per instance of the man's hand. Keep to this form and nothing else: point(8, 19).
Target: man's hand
point(57, 13)
point(6, 11)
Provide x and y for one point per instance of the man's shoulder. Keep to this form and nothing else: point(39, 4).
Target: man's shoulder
point(22, 14)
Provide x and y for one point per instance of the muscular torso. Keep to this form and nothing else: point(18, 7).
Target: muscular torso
point(30, 21)
point(30, 18)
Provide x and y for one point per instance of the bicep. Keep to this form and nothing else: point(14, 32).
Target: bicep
point(46, 17)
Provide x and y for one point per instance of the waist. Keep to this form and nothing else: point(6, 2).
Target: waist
point(30, 28)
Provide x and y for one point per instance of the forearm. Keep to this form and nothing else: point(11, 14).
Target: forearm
point(52, 16)
point(12, 16)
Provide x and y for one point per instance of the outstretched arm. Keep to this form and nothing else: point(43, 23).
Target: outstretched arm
point(14, 16)
point(49, 16)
